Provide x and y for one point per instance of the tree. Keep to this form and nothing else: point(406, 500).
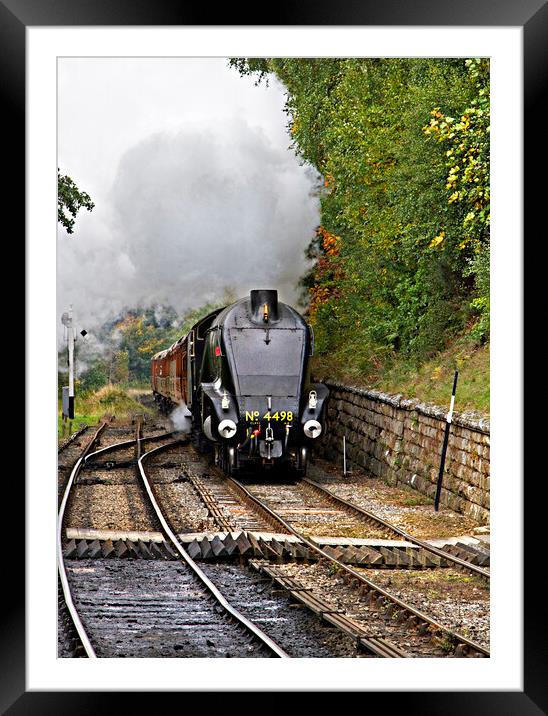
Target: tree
point(466, 138)
point(395, 263)
point(69, 201)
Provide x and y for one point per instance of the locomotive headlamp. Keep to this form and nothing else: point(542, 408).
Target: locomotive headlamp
point(312, 429)
point(227, 428)
point(312, 400)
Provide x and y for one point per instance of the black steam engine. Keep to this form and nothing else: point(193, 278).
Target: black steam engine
point(243, 372)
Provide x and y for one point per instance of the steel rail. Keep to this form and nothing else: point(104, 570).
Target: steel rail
point(379, 646)
point(84, 457)
point(129, 443)
point(88, 648)
point(396, 530)
point(249, 625)
point(356, 576)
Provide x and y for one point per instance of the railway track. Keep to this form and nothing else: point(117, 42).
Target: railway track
point(398, 630)
point(206, 609)
point(347, 627)
point(392, 531)
point(80, 638)
point(255, 631)
point(231, 513)
point(241, 510)
point(375, 596)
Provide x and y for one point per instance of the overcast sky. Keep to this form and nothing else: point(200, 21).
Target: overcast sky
point(194, 184)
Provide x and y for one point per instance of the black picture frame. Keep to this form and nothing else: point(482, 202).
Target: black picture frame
point(532, 17)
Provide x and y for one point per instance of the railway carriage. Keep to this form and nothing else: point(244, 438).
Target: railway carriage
point(243, 372)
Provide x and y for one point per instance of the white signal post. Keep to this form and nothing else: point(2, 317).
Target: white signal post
point(68, 397)
point(449, 420)
point(71, 355)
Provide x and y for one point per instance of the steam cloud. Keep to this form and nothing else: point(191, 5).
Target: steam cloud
point(191, 213)
point(181, 418)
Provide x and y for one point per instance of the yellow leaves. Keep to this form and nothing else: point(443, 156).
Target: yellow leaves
point(436, 373)
point(464, 243)
point(149, 347)
point(318, 296)
point(455, 196)
point(437, 240)
point(432, 127)
point(464, 122)
point(469, 217)
point(331, 243)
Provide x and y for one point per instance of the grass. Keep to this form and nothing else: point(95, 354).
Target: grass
point(416, 501)
point(429, 382)
point(432, 381)
point(111, 399)
point(79, 420)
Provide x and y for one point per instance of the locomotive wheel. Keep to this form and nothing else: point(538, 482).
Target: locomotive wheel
point(198, 439)
point(228, 460)
point(232, 461)
point(302, 462)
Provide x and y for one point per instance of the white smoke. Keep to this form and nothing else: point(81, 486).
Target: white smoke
point(181, 418)
point(187, 208)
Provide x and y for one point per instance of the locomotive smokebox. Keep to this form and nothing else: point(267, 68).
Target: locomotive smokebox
point(264, 305)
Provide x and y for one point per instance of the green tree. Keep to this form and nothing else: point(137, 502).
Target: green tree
point(69, 201)
point(95, 377)
point(466, 139)
point(392, 274)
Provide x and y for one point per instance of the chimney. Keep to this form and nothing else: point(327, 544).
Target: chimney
point(264, 305)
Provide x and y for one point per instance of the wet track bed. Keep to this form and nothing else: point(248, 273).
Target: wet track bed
point(300, 633)
point(134, 608)
point(155, 609)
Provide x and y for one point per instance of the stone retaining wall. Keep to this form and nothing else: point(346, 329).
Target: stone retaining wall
point(401, 440)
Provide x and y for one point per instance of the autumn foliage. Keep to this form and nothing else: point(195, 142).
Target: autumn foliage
point(401, 259)
point(327, 272)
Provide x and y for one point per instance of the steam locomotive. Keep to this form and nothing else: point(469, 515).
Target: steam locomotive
point(243, 373)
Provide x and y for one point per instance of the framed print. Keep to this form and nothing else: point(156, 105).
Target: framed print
point(50, 48)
